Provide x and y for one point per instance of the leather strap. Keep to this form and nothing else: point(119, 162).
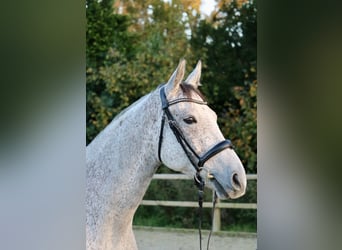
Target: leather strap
point(189, 151)
point(214, 150)
point(186, 147)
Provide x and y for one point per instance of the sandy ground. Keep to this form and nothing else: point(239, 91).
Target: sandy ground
point(173, 239)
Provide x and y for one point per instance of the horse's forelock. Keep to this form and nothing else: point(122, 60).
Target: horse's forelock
point(187, 89)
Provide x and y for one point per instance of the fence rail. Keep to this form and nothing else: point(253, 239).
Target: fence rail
point(195, 204)
point(219, 205)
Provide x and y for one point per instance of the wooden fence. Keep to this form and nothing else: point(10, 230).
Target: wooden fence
point(219, 205)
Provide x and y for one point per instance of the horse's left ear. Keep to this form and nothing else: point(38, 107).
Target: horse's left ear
point(194, 78)
point(176, 78)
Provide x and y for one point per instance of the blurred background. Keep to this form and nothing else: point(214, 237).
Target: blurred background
point(43, 113)
point(133, 46)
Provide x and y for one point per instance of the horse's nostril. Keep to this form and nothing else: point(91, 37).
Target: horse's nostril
point(236, 182)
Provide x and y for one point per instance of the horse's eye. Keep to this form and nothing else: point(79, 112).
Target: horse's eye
point(190, 120)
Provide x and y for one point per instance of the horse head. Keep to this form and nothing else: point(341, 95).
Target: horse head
point(193, 143)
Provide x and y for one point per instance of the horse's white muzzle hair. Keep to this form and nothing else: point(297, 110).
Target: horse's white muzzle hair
point(226, 175)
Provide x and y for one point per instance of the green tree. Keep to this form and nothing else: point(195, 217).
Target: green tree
point(133, 46)
point(229, 42)
point(105, 31)
point(129, 66)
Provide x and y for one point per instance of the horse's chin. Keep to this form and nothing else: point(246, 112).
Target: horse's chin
point(223, 193)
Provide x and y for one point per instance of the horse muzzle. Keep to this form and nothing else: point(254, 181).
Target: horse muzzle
point(228, 182)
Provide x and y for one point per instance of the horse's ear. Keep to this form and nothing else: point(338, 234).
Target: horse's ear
point(176, 78)
point(194, 78)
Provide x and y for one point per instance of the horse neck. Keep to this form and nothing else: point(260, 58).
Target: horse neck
point(121, 162)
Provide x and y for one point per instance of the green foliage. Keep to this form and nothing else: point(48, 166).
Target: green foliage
point(133, 50)
point(230, 85)
point(105, 31)
point(125, 65)
point(239, 123)
point(229, 43)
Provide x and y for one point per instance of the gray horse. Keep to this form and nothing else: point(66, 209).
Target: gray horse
point(122, 159)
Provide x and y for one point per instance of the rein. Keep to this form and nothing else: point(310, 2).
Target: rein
point(199, 161)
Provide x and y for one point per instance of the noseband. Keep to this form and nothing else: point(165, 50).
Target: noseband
point(200, 160)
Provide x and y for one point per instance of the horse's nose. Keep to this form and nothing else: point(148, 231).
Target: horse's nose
point(237, 182)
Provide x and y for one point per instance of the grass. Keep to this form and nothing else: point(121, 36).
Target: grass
point(249, 228)
point(156, 221)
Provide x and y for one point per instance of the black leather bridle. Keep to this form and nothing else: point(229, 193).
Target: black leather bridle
point(200, 160)
point(197, 163)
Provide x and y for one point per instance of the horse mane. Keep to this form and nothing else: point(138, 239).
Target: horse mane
point(187, 89)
